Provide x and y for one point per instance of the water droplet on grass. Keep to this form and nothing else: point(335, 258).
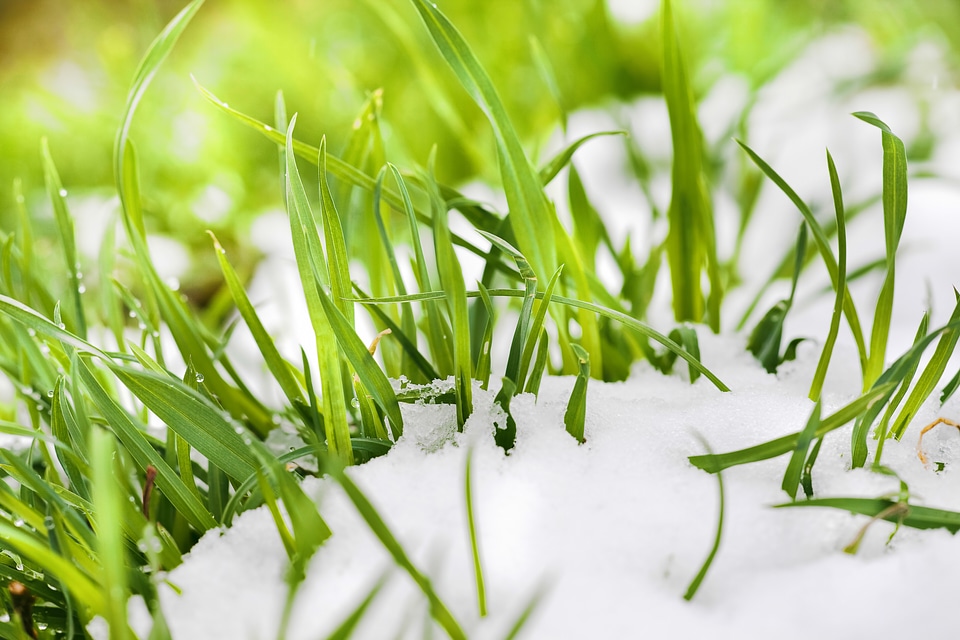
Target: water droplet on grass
point(63, 193)
point(199, 377)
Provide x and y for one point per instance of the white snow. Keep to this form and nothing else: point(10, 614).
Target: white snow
point(615, 529)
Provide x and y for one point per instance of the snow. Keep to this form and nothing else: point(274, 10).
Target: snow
point(613, 530)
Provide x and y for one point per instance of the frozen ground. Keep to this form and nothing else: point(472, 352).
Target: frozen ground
point(614, 530)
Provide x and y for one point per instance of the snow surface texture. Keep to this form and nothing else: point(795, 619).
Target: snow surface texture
point(615, 529)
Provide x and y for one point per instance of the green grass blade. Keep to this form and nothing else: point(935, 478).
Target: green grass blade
point(482, 368)
point(311, 267)
point(530, 215)
point(337, 260)
point(691, 241)
point(712, 463)
point(894, 215)
point(159, 50)
point(536, 327)
point(882, 430)
point(550, 170)
point(131, 437)
point(279, 367)
point(193, 418)
point(823, 246)
point(931, 374)
point(916, 517)
point(57, 196)
point(576, 413)
point(477, 567)
point(791, 477)
point(816, 386)
point(108, 500)
point(708, 562)
point(373, 378)
point(451, 281)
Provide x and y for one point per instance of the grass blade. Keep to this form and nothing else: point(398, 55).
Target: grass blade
point(894, 215)
point(576, 413)
point(791, 478)
point(916, 517)
point(477, 567)
point(691, 243)
point(698, 579)
point(816, 386)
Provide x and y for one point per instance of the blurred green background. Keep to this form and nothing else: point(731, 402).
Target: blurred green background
point(65, 68)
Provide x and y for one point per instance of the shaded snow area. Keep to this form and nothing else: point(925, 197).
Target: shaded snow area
point(614, 530)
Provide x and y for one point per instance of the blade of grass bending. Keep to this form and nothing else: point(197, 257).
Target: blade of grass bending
point(868, 404)
point(708, 562)
point(550, 170)
point(894, 215)
point(438, 609)
point(279, 367)
point(916, 517)
point(451, 281)
point(823, 246)
point(931, 374)
point(193, 418)
point(806, 480)
point(712, 463)
point(791, 477)
point(531, 217)
point(816, 386)
point(65, 230)
point(107, 499)
point(471, 525)
point(312, 269)
point(159, 50)
point(617, 316)
point(131, 437)
point(368, 371)
point(576, 413)
point(588, 228)
point(691, 241)
point(525, 614)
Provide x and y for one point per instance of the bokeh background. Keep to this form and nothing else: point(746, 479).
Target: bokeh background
point(65, 68)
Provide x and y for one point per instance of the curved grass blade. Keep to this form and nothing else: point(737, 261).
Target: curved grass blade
point(931, 375)
point(576, 413)
point(556, 164)
point(336, 248)
point(346, 628)
point(159, 50)
point(67, 239)
point(530, 215)
point(882, 431)
point(894, 215)
point(816, 386)
point(823, 246)
point(536, 327)
point(279, 367)
point(795, 468)
point(698, 579)
point(916, 517)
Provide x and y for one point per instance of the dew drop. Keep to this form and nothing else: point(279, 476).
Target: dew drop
point(50, 393)
point(355, 403)
point(199, 377)
point(131, 314)
point(61, 325)
point(18, 522)
point(49, 523)
point(63, 193)
point(32, 333)
point(81, 288)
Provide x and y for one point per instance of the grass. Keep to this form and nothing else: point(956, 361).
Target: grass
point(98, 505)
